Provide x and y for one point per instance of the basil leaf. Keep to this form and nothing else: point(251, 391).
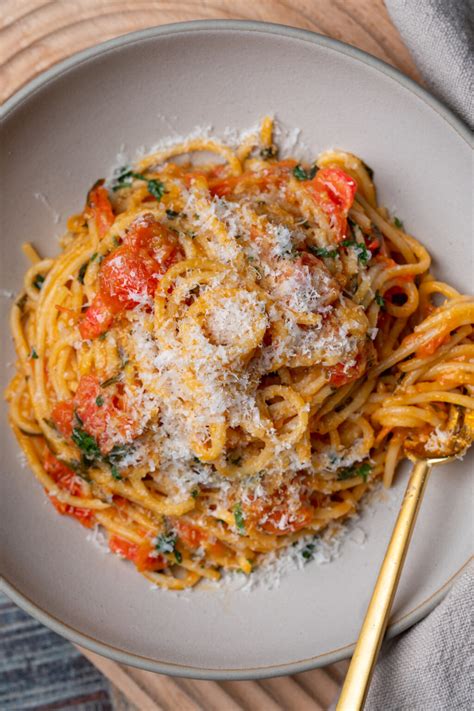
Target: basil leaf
point(38, 281)
point(323, 252)
point(301, 174)
point(239, 519)
point(363, 471)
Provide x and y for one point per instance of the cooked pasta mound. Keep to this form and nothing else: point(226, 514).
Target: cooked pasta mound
point(227, 354)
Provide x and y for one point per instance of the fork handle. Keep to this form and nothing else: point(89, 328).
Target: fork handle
point(358, 677)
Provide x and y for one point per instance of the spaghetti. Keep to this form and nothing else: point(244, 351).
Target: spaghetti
point(226, 356)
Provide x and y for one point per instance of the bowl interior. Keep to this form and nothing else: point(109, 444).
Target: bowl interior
point(72, 129)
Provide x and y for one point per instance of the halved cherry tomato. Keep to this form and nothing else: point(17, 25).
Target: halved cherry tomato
point(130, 274)
point(98, 410)
point(97, 319)
point(339, 375)
point(67, 480)
point(62, 416)
point(192, 536)
point(99, 208)
point(144, 560)
point(334, 191)
point(276, 516)
point(138, 554)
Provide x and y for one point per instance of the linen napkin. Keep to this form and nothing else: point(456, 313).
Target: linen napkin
point(430, 667)
point(440, 36)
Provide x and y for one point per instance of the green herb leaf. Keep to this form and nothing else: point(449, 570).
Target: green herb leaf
point(301, 174)
point(178, 556)
point(270, 152)
point(86, 443)
point(379, 300)
point(115, 473)
point(111, 381)
point(94, 257)
point(363, 471)
point(82, 272)
point(99, 401)
point(165, 542)
point(239, 519)
point(103, 336)
point(323, 252)
point(156, 188)
point(38, 281)
point(124, 178)
point(363, 254)
point(195, 493)
point(33, 354)
point(398, 223)
point(308, 551)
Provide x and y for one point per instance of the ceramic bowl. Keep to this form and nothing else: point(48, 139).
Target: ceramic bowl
point(64, 130)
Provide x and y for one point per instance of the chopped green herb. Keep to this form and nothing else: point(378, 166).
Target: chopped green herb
point(82, 273)
point(165, 542)
point(308, 551)
point(301, 174)
point(323, 252)
point(178, 556)
point(363, 471)
point(115, 473)
point(94, 257)
point(117, 453)
point(270, 152)
point(172, 214)
point(86, 443)
point(103, 336)
point(38, 281)
point(239, 519)
point(363, 254)
point(124, 179)
point(195, 493)
point(368, 169)
point(99, 401)
point(33, 354)
point(111, 381)
point(156, 188)
point(398, 223)
point(379, 300)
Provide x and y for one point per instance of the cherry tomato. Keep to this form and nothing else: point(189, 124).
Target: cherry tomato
point(67, 480)
point(138, 554)
point(62, 416)
point(97, 319)
point(340, 375)
point(334, 191)
point(192, 536)
point(276, 517)
point(130, 274)
point(99, 208)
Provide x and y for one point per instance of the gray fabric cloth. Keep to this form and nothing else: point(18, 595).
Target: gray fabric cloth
point(430, 667)
point(440, 37)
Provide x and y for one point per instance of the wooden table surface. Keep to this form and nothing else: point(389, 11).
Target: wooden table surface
point(35, 34)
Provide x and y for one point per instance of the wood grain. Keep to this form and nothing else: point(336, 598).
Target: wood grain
point(34, 35)
point(310, 691)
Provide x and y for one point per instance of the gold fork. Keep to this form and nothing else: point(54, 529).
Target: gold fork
point(460, 427)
